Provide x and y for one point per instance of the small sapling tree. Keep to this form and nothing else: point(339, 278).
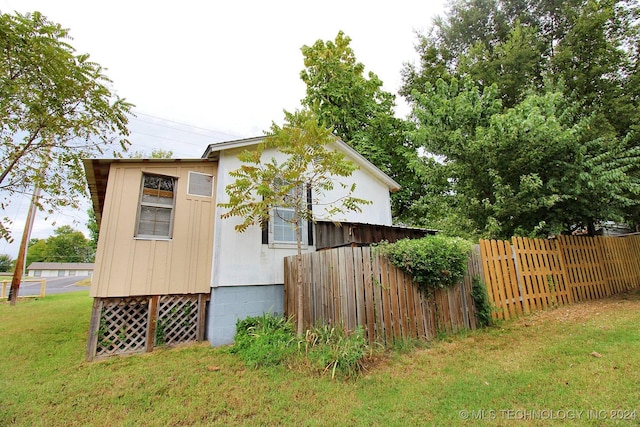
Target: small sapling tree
point(263, 185)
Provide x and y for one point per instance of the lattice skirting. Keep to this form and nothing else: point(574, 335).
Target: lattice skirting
point(138, 324)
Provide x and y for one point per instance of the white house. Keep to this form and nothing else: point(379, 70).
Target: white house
point(248, 264)
point(161, 237)
point(59, 269)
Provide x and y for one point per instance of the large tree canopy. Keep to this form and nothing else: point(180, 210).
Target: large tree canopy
point(535, 168)
point(56, 108)
point(533, 105)
point(360, 112)
point(589, 45)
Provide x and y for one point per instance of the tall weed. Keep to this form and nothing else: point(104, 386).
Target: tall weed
point(264, 340)
point(270, 340)
point(336, 350)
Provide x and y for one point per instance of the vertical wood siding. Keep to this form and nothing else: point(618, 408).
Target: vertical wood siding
point(126, 266)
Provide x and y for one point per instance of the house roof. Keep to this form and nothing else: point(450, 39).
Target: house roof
point(213, 153)
point(97, 171)
point(60, 266)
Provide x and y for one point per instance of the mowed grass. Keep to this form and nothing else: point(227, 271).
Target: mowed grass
point(576, 365)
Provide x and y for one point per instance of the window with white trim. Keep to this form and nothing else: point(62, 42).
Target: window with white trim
point(280, 229)
point(157, 202)
point(284, 227)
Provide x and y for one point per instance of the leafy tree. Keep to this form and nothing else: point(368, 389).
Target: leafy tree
point(56, 108)
point(261, 185)
point(360, 112)
point(65, 245)
point(515, 50)
point(37, 251)
point(480, 39)
point(534, 168)
point(94, 231)
point(68, 245)
point(6, 263)
point(588, 45)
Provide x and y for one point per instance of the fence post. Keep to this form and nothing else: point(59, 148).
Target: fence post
point(94, 328)
point(43, 287)
point(152, 321)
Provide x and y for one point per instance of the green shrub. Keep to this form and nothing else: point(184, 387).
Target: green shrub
point(433, 261)
point(264, 340)
point(481, 300)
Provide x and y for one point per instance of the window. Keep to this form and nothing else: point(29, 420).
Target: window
point(200, 184)
point(155, 214)
point(283, 228)
point(280, 231)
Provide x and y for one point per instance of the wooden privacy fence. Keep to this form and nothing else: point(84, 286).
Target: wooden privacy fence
point(351, 286)
point(534, 274)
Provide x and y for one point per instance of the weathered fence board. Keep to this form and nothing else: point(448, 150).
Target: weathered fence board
point(535, 274)
point(351, 287)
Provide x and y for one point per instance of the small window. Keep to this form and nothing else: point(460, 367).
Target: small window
point(281, 230)
point(200, 184)
point(155, 214)
point(283, 226)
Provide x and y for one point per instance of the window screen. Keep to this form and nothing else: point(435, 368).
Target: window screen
point(200, 184)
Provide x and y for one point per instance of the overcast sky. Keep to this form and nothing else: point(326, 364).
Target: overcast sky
point(207, 71)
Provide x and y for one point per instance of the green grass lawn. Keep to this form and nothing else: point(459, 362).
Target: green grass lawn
point(580, 362)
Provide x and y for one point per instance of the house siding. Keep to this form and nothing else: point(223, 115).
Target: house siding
point(128, 266)
point(246, 261)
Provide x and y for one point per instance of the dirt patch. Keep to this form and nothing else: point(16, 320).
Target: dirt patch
point(584, 311)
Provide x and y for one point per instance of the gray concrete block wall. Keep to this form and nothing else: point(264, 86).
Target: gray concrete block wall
point(230, 303)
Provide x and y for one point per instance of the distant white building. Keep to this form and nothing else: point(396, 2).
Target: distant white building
point(59, 269)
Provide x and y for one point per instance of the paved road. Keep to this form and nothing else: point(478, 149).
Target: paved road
point(55, 285)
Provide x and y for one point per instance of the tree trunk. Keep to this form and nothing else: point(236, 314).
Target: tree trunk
point(300, 314)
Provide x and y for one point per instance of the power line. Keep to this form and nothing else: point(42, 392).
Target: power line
point(137, 113)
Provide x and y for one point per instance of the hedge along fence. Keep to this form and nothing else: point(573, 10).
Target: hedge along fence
point(353, 287)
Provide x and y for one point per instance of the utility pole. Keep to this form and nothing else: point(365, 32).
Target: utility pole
point(22, 252)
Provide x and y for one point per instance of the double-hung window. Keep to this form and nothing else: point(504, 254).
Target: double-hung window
point(155, 212)
point(284, 226)
point(280, 229)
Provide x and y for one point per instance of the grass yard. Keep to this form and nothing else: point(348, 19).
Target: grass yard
point(577, 365)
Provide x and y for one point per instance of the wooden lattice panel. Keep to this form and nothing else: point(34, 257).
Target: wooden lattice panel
point(136, 324)
point(123, 326)
point(177, 319)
